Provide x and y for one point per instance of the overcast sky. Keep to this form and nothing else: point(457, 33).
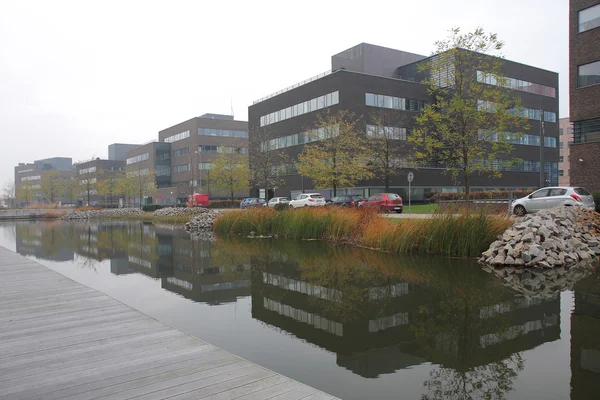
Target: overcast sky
point(76, 76)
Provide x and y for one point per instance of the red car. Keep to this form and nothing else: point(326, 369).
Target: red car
point(384, 202)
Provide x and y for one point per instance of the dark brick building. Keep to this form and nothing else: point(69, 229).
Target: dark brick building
point(584, 85)
point(367, 80)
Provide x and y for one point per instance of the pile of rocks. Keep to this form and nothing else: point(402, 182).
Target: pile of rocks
point(179, 211)
point(202, 222)
point(541, 283)
point(558, 237)
point(109, 213)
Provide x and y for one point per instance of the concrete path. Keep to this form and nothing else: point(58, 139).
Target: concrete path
point(62, 340)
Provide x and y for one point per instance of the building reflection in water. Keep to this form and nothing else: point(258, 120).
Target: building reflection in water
point(378, 313)
point(585, 340)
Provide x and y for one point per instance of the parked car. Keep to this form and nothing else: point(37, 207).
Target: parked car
point(278, 200)
point(549, 197)
point(246, 201)
point(346, 200)
point(253, 203)
point(308, 200)
point(384, 202)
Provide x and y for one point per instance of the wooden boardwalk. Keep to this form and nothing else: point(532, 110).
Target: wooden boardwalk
point(62, 340)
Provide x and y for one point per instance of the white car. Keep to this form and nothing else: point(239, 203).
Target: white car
point(278, 200)
point(308, 200)
point(551, 197)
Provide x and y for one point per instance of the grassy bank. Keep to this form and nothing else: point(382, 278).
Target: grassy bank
point(464, 234)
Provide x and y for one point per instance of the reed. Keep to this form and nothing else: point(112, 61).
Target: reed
point(465, 233)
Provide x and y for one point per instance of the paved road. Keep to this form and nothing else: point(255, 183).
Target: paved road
point(62, 340)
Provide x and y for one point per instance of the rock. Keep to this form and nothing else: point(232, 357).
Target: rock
point(202, 222)
point(108, 213)
point(528, 237)
point(509, 260)
point(544, 264)
point(535, 251)
point(519, 262)
point(526, 256)
point(498, 260)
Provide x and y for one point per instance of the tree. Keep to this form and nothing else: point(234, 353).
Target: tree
point(140, 182)
point(266, 164)
point(464, 127)
point(338, 153)
point(70, 189)
point(8, 192)
point(108, 185)
point(25, 192)
point(51, 186)
point(87, 182)
point(125, 185)
point(386, 138)
point(230, 172)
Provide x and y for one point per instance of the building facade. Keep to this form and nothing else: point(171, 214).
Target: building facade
point(29, 177)
point(367, 80)
point(584, 85)
point(565, 135)
point(97, 181)
point(118, 151)
point(142, 161)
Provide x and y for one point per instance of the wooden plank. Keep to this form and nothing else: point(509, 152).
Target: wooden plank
point(299, 393)
point(62, 340)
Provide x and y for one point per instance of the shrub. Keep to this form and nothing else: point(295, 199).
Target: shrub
point(153, 207)
point(597, 200)
point(224, 204)
point(491, 194)
point(466, 233)
point(281, 207)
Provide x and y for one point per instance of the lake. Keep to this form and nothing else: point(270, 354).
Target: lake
point(355, 323)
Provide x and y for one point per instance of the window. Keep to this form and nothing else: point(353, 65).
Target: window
point(207, 149)
point(561, 145)
point(560, 131)
point(588, 74)
point(589, 18)
point(222, 132)
point(181, 152)
point(549, 142)
point(386, 132)
point(582, 192)
point(163, 170)
point(560, 173)
point(327, 100)
point(181, 168)
point(87, 170)
point(136, 159)
point(587, 131)
point(163, 157)
point(31, 178)
point(540, 194)
point(561, 159)
point(516, 84)
point(395, 103)
point(179, 136)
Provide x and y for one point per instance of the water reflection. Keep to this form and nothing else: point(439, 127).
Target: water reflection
point(378, 313)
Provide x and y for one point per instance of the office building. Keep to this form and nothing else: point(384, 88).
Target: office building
point(183, 155)
point(90, 175)
point(565, 135)
point(28, 178)
point(368, 79)
point(118, 151)
point(584, 88)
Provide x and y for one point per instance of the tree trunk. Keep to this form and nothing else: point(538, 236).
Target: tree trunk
point(467, 189)
point(387, 179)
point(232, 195)
point(334, 189)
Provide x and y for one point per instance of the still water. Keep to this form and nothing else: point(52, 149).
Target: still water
point(354, 323)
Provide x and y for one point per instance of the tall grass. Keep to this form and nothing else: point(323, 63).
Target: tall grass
point(466, 233)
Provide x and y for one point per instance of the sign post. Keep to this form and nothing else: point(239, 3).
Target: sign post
point(410, 177)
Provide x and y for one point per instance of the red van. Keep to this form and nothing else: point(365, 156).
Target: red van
point(197, 200)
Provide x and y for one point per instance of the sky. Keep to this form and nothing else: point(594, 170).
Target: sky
point(76, 76)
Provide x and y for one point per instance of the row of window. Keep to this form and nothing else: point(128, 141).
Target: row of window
point(136, 159)
point(283, 169)
point(395, 103)
point(589, 18)
point(222, 149)
point(31, 178)
point(163, 157)
point(522, 166)
point(516, 138)
point(524, 112)
point(142, 172)
point(205, 165)
point(176, 137)
point(87, 170)
point(386, 132)
point(299, 138)
point(163, 170)
point(327, 100)
point(181, 152)
point(588, 74)
point(181, 168)
point(222, 132)
point(24, 171)
point(516, 84)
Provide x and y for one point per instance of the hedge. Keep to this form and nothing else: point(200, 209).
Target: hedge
point(224, 204)
point(491, 194)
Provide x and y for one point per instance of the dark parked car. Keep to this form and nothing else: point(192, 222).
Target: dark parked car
point(384, 202)
point(346, 200)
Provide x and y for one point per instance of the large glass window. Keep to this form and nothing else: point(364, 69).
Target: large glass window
point(181, 152)
point(327, 100)
point(588, 74)
point(587, 131)
point(136, 159)
point(516, 84)
point(177, 137)
point(395, 103)
point(589, 18)
point(386, 132)
point(181, 168)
